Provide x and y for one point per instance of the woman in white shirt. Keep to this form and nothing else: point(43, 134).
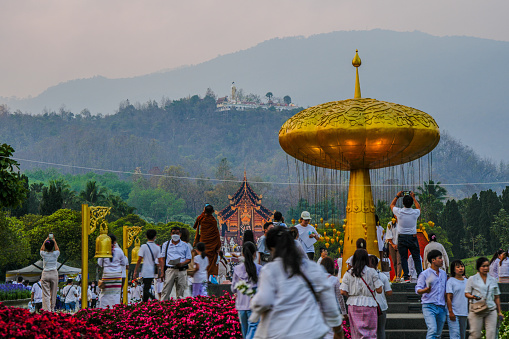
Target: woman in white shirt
point(494, 263)
point(112, 275)
point(503, 269)
point(483, 287)
point(359, 285)
point(49, 279)
point(293, 298)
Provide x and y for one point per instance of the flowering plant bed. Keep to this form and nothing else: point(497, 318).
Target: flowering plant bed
point(201, 317)
point(20, 323)
point(14, 292)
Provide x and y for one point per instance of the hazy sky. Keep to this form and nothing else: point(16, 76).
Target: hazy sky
point(47, 42)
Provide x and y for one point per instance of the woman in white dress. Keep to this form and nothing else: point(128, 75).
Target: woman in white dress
point(112, 275)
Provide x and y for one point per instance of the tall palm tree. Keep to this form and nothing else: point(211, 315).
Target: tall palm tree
point(430, 196)
point(93, 194)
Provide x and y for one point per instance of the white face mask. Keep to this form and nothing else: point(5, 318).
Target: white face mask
point(175, 237)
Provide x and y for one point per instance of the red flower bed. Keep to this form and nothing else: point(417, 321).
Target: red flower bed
point(20, 323)
point(202, 317)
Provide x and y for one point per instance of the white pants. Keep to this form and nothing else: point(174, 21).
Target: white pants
point(488, 319)
point(49, 285)
point(174, 276)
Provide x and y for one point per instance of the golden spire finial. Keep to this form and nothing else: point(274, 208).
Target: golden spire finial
point(356, 62)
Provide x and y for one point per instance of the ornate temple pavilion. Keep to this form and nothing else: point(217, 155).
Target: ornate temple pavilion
point(245, 212)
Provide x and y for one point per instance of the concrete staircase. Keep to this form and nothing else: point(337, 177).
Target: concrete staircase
point(404, 316)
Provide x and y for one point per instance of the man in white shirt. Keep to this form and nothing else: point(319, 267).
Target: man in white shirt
point(175, 256)
point(149, 253)
point(36, 296)
point(407, 229)
point(307, 234)
point(70, 294)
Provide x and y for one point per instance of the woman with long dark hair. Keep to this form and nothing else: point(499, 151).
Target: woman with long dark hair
point(294, 298)
point(494, 263)
point(49, 278)
point(246, 272)
point(360, 283)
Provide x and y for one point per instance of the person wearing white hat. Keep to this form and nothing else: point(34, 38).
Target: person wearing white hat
point(307, 234)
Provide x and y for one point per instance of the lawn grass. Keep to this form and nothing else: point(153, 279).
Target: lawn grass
point(470, 269)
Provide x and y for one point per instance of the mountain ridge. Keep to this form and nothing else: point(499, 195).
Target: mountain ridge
point(460, 81)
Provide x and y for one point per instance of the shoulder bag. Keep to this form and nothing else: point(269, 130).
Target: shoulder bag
point(378, 309)
point(481, 305)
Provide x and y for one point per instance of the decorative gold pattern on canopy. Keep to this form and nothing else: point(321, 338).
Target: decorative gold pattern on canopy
point(359, 133)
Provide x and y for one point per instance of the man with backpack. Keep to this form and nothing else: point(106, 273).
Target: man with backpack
point(149, 253)
point(278, 219)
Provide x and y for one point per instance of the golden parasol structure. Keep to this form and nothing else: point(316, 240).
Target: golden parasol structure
point(357, 135)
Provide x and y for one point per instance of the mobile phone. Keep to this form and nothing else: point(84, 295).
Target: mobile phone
point(477, 297)
point(407, 192)
point(50, 236)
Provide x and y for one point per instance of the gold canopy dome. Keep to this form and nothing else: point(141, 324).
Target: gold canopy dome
point(359, 133)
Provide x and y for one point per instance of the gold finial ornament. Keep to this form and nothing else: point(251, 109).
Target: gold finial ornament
point(356, 62)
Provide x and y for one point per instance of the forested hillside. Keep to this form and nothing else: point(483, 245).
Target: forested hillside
point(191, 134)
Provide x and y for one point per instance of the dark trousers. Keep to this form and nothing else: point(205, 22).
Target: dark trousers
point(93, 303)
point(38, 306)
point(311, 255)
point(407, 242)
point(147, 283)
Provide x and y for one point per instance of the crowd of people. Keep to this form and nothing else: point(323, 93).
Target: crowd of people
point(277, 284)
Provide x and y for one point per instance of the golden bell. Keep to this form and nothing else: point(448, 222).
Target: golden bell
point(135, 250)
point(103, 246)
point(344, 221)
point(321, 220)
point(341, 242)
point(293, 221)
point(332, 225)
point(324, 233)
point(327, 245)
point(393, 220)
point(332, 241)
point(326, 225)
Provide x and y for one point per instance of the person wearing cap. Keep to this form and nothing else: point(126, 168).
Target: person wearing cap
point(307, 234)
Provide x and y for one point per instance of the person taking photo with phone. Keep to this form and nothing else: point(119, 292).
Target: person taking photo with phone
point(49, 279)
point(407, 231)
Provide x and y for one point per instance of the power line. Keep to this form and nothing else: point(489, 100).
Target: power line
point(235, 180)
